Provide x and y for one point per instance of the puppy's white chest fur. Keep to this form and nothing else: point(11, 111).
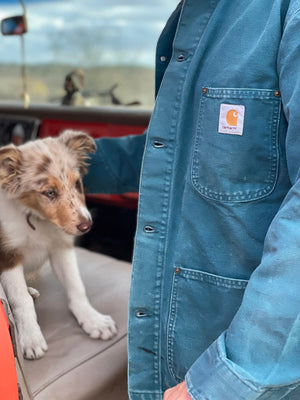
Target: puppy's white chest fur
point(30, 236)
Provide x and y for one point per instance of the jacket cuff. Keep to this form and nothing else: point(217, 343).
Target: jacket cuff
point(214, 377)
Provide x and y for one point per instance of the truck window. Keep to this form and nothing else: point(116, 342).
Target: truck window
point(103, 49)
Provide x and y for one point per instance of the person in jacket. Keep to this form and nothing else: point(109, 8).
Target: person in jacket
point(215, 294)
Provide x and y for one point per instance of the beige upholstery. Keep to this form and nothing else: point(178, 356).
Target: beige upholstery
point(75, 366)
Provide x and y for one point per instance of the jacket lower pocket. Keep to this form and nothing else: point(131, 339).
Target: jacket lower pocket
point(202, 307)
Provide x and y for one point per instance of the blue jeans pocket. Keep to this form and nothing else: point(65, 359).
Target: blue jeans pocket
point(236, 148)
point(202, 307)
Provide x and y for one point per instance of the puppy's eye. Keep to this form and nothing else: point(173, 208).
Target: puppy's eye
point(78, 186)
point(51, 194)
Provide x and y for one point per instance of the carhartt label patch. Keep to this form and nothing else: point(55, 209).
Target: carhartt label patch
point(231, 119)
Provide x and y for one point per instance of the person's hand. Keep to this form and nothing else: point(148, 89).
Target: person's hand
point(178, 392)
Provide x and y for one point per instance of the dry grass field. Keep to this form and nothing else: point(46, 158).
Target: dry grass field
point(45, 84)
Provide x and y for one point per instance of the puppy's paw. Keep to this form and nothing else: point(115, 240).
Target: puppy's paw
point(32, 342)
point(95, 324)
point(33, 292)
point(100, 326)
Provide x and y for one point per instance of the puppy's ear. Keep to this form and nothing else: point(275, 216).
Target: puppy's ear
point(80, 144)
point(10, 165)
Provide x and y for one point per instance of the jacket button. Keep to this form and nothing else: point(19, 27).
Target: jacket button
point(149, 229)
point(177, 270)
point(277, 93)
point(204, 90)
point(141, 313)
point(181, 57)
point(158, 145)
point(163, 59)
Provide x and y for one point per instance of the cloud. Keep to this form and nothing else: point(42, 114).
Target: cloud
point(90, 32)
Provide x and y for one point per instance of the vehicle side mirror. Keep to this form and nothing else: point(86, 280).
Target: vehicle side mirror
point(16, 25)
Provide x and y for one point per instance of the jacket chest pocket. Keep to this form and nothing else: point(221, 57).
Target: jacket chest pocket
point(236, 148)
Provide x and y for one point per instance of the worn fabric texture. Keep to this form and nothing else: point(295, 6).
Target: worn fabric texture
point(215, 285)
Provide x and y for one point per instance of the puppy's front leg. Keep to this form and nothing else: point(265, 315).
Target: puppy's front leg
point(31, 339)
point(95, 324)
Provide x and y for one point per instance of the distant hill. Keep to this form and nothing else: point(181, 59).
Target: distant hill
point(45, 84)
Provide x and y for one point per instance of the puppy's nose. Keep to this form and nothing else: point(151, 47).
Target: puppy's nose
point(85, 226)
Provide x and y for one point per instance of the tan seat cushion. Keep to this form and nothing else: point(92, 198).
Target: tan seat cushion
point(75, 366)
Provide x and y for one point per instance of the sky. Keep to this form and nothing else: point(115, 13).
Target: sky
point(89, 32)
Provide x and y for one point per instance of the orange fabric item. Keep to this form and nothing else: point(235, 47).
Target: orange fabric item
point(8, 373)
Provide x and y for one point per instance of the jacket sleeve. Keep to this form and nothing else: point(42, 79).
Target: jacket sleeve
point(258, 357)
point(116, 165)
